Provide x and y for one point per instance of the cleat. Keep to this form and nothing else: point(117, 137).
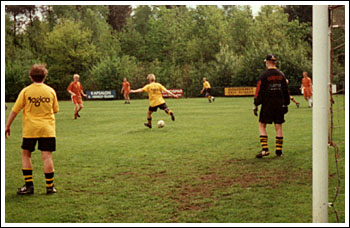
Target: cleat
point(148, 125)
point(78, 115)
point(279, 153)
point(51, 190)
point(262, 154)
point(75, 116)
point(297, 105)
point(172, 116)
point(26, 190)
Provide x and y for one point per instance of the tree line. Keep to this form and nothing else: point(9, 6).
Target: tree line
point(179, 44)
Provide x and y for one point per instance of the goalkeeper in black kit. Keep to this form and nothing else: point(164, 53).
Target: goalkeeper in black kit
point(273, 96)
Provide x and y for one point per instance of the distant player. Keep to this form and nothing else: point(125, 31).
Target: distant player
point(76, 90)
point(273, 96)
point(292, 98)
point(306, 88)
point(207, 89)
point(155, 97)
point(39, 104)
point(126, 90)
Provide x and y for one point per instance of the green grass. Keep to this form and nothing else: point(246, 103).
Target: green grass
point(201, 168)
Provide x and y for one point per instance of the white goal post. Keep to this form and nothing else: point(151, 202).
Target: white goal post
point(320, 72)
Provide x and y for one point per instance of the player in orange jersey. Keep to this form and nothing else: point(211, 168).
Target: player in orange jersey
point(155, 97)
point(76, 90)
point(306, 88)
point(126, 90)
point(39, 104)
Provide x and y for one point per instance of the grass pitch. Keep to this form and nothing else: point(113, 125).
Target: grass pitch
point(110, 168)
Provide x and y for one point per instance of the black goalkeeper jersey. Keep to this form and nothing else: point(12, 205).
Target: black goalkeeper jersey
point(272, 89)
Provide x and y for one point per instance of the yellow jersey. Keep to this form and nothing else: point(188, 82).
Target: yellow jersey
point(154, 91)
point(206, 85)
point(39, 104)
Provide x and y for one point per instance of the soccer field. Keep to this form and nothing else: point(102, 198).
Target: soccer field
point(201, 168)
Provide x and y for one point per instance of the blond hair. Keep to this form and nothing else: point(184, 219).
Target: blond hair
point(76, 76)
point(151, 77)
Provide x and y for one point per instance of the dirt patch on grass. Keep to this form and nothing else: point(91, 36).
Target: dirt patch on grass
point(200, 194)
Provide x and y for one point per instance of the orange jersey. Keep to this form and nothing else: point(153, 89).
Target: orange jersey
point(307, 85)
point(306, 82)
point(76, 88)
point(126, 87)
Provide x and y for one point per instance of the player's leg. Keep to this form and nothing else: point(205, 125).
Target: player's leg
point(128, 98)
point(81, 106)
point(149, 118)
point(28, 146)
point(168, 111)
point(293, 99)
point(279, 139)
point(48, 171)
point(263, 141)
point(47, 146)
point(76, 108)
point(207, 94)
point(125, 98)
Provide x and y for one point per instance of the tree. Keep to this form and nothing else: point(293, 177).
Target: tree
point(301, 13)
point(118, 15)
point(69, 50)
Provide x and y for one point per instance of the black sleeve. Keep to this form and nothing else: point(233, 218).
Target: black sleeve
point(258, 92)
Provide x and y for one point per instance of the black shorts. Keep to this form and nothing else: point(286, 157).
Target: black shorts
point(208, 92)
point(44, 144)
point(161, 106)
point(271, 114)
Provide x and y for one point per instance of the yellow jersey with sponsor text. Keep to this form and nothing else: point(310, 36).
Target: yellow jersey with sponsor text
point(154, 91)
point(39, 104)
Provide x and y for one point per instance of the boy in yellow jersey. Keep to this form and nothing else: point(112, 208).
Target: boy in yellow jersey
point(39, 104)
point(155, 97)
point(207, 89)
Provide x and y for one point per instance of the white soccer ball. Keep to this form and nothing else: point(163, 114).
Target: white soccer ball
point(160, 123)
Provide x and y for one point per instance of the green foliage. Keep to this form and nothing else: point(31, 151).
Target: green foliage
point(109, 73)
point(69, 50)
point(178, 44)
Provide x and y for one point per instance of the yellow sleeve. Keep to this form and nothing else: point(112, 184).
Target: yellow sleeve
point(146, 88)
point(20, 102)
point(162, 87)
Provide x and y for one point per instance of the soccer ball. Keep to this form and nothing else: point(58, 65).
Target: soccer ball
point(160, 123)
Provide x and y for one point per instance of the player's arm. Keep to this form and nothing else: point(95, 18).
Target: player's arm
point(82, 93)
point(137, 90)
point(11, 118)
point(121, 91)
point(71, 93)
point(173, 95)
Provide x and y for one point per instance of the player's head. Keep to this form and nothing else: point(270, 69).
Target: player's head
point(270, 60)
point(124, 79)
point(76, 77)
point(204, 79)
point(305, 74)
point(151, 78)
point(38, 72)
